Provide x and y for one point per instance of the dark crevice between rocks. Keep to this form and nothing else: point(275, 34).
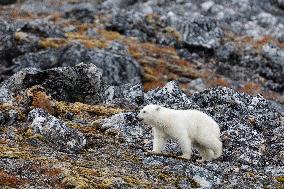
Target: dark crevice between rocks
point(200, 50)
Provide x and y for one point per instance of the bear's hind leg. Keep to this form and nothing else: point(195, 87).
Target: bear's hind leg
point(205, 153)
point(214, 144)
point(218, 148)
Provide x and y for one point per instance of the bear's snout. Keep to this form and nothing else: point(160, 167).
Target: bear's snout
point(139, 117)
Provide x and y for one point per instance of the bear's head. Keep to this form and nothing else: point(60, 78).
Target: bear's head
point(149, 113)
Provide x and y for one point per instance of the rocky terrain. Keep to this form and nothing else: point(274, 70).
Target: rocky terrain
point(74, 74)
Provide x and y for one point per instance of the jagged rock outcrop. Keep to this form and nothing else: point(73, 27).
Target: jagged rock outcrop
point(56, 132)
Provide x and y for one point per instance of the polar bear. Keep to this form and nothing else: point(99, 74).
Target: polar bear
point(188, 127)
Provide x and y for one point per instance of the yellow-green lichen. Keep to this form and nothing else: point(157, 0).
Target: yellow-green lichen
point(280, 178)
point(13, 153)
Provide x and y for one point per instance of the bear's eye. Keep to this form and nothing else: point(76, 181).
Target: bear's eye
point(144, 112)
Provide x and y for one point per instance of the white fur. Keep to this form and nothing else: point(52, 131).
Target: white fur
point(188, 127)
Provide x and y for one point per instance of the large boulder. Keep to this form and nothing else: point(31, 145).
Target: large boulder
point(116, 68)
point(79, 83)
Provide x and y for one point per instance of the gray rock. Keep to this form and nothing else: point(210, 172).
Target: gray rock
point(83, 12)
point(2, 118)
point(79, 83)
point(275, 54)
point(42, 28)
point(12, 117)
point(201, 32)
point(56, 132)
point(207, 5)
point(42, 60)
point(280, 3)
point(117, 3)
point(266, 19)
point(243, 121)
point(126, 95)
point(14, 85)
point(136, 24)
point(72, 55)
point(6, 38)
point(197, 85)
point(227, 51)
point(170, 96)
point(117, 67)
point(34, 6)
point(129, 128)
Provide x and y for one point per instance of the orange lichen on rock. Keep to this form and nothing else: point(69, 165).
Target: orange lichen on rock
point(216, 80)
point(257, 44)
point(51, 172)
point(40, 99)
point(109, 35)
point(89, 42)
point(273, 96)
point(153, 84)
point(10, 180)
point(251, 88)
point(52, 42)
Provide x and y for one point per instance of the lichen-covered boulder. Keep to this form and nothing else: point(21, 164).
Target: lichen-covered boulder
point(56, 132)
point(124, 95)
point(246, 122)
point(129, 128)
point(170, 95)
point(14, 85)
point(197, 33)
point(79, 83)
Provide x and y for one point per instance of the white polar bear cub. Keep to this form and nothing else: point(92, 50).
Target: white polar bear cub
point(188, 127)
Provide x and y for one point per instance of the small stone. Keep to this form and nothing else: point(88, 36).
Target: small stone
point(183, 80)
point(266, 19)
point(197, 85)
point(69, 115)
point(56, 132)
point(207, 5)
point(13, 117)
point(2, 118)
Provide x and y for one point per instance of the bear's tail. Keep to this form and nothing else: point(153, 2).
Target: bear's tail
point(217, 149)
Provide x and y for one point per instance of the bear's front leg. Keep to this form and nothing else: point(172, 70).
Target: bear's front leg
point(185, 144)
point(159, 141)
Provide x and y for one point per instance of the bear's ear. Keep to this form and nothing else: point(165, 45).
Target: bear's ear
point(158, 108)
